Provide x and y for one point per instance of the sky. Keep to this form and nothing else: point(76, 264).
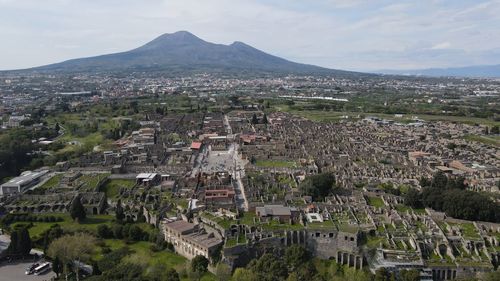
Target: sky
point(362, 35)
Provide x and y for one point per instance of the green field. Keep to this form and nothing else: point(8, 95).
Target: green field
point(375, 202)
point(142, 255)
point(489, 140)
point(325, 116)
point(90, 224)
point(112, 186)
point(52, 182)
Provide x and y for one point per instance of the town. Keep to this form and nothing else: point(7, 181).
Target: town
point(230, 170)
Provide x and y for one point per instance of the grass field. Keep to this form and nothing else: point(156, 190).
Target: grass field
point(325, 116)
point(112, 186)
point(68, 224)
point(143, 255)
point(489, 140)
point(52, 182)
point(375, 202)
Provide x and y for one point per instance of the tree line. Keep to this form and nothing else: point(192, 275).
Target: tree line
point(449, 195)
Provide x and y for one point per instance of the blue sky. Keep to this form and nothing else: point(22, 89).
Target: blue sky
point(346, 34)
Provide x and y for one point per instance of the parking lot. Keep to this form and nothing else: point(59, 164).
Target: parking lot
point(15, 272)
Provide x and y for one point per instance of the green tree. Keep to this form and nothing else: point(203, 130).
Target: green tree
point(413, 198)
point(264, 119)
point(172, 275)
point(381, 274)
point(243, 274)
point(103, 231)
point(199, 264)
point(119, 211)
point(223, 272)
point(57, 266)
point(255, 120)
point(77, 211)
point(269, 268)
point(135, 233)
point(495, 130)
point(318, 186)
point(14, 243)
point(409, 275)
point(70, 248)
point(295, 255)
point(24, 242)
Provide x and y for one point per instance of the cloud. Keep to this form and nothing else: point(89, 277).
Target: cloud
point(350, 34)
point(441, 46)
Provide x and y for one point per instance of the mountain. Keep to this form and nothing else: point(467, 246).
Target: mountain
point(482, 71)
point(184, 52)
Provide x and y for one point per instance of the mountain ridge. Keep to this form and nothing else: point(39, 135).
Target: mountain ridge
point(182, 51)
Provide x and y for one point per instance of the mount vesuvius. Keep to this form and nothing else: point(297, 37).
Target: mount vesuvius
point(183, 52)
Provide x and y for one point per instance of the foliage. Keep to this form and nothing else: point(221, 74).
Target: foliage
point(269, 268)
point(296, 255)
point(69, 248)
point(76, 210)
point(199, 264)
point(20, 242)
point(450, 196)
point(409, 275)
point(223, 272)
point(119, 211)
point(318, 186)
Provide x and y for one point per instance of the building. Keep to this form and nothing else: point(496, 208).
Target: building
point(22, 183)
point(281, 213)
point(148, 179)
point(189, 240)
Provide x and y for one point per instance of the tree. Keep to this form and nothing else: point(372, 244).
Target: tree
point(157, 272)
point(57, 266)
point(243, 274)
point(172, 275)
point(318, 186)
point(269, 268)
point(103, 231)
point(381, 274)
point(409, 275)
point(264, 119)
point(24, 242)
point(495, 130)
point(295, 255)
point(12, 249)
point(254, 119)
point(413, 198)
point(77, 211)
point(71, 248)
point(119, 211)
point(199, 264)
point(223, 272)
point(440, 180)
point(135, 233)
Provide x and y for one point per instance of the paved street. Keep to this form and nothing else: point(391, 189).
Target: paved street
point(15, 272)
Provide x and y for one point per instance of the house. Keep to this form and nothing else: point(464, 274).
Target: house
point(279, 212)
point(22, 183)
point(189, 240)
point(148, 179)
point(196, 145)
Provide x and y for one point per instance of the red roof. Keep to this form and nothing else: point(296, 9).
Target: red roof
point(196, 145)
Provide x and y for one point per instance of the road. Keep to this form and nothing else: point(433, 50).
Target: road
point(15, 272)
point(238, 174)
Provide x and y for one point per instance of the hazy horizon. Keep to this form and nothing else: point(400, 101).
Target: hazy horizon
point(356, 35)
